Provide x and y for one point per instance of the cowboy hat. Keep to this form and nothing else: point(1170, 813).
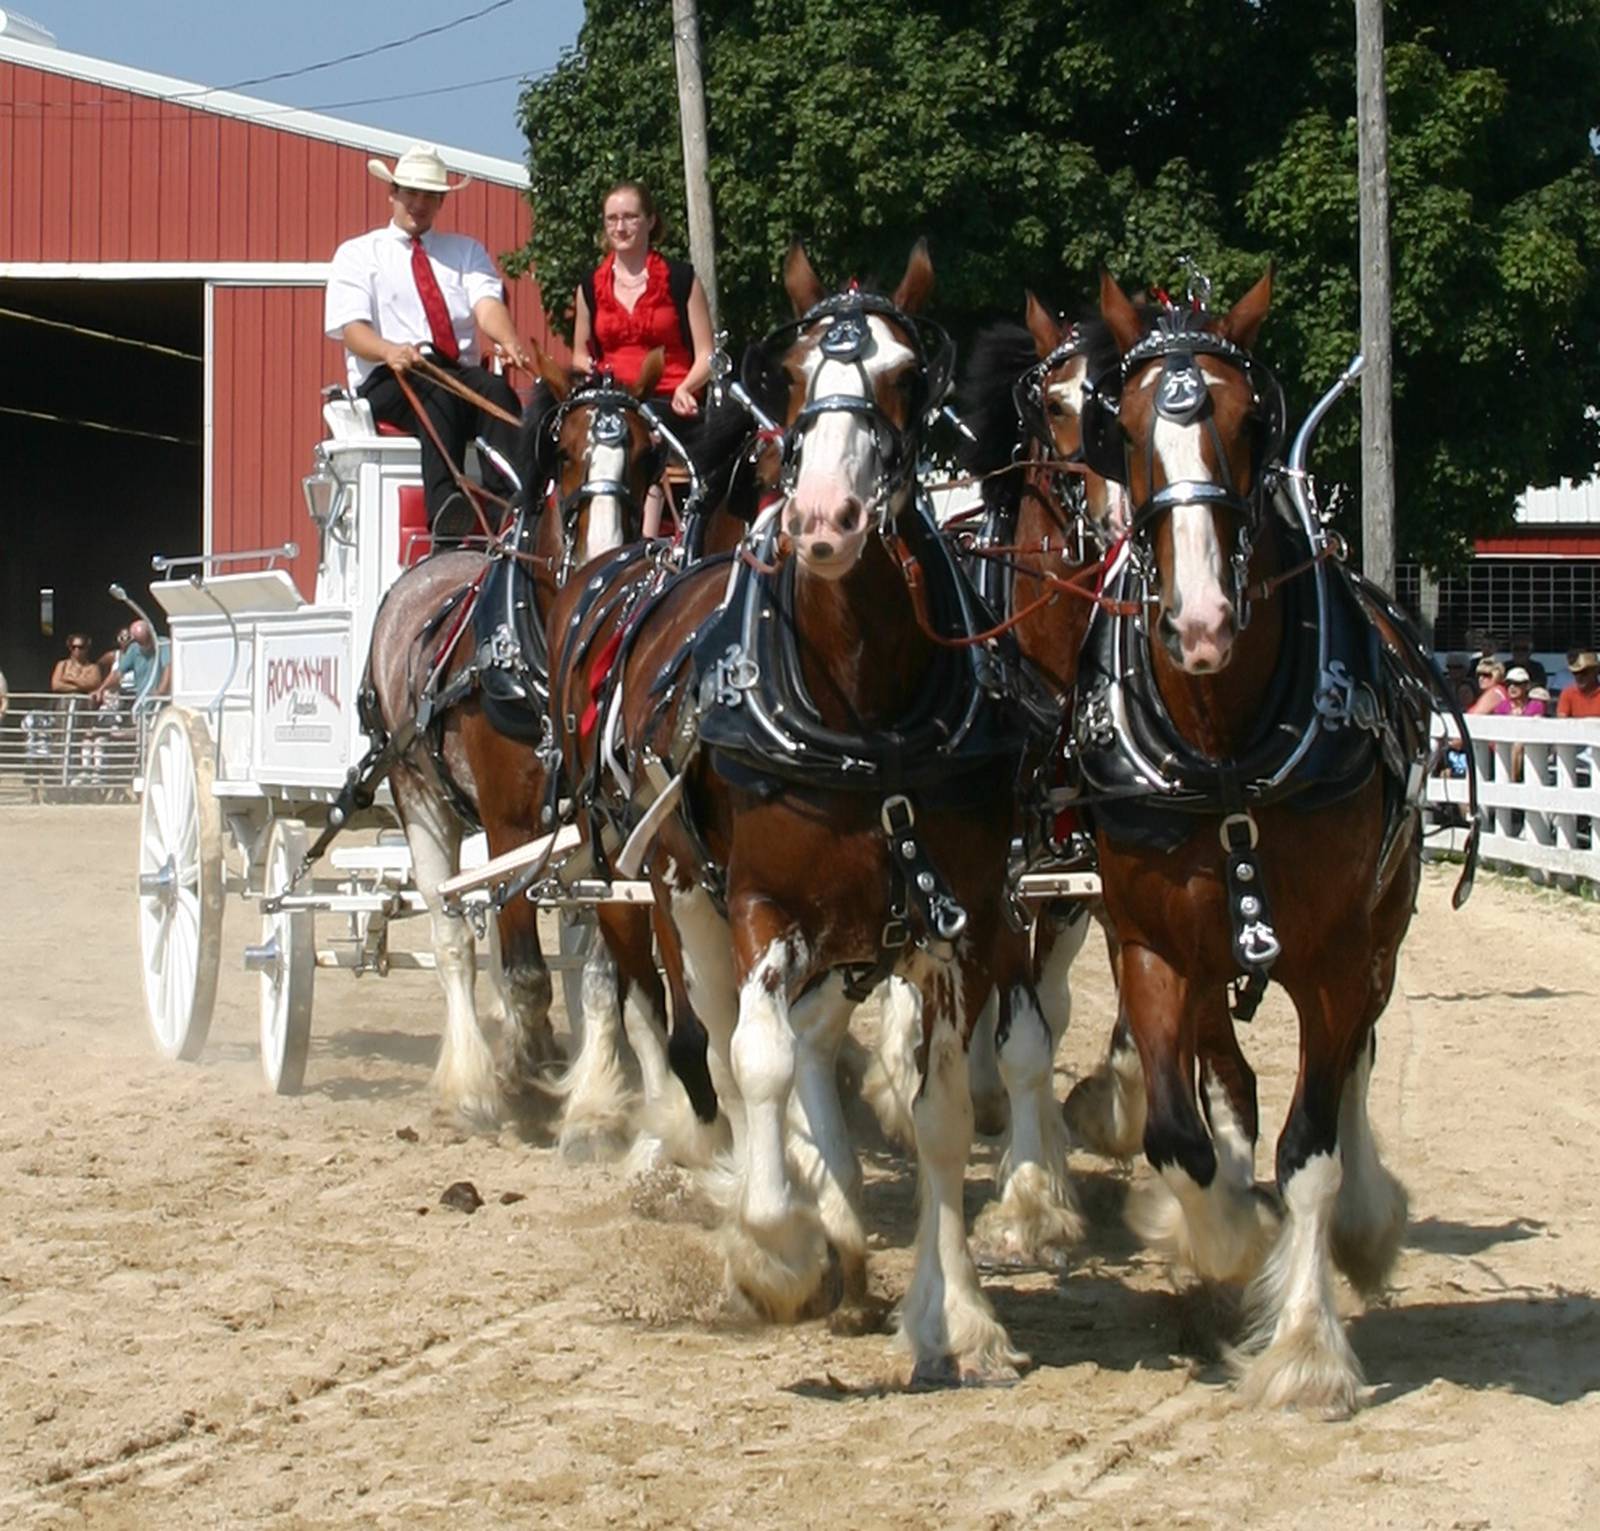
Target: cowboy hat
point(1587, 660)
point(418, 169)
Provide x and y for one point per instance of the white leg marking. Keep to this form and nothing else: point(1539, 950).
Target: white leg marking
point(777, 1255)
point(1295, 1352)
point(945, 1318)
point(596, 1121)
point(1236, 1150)
point(1369, 1218)
point(891, 1081)
point(820, 1142)
point(465, 1076)
point(1106, 1111)
point(1036, 1219)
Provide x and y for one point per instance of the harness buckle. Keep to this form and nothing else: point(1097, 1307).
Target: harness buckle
point(1235, 821)
point(897, 815)
point(896, 934)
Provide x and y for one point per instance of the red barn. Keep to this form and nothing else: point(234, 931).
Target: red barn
point(162, 252)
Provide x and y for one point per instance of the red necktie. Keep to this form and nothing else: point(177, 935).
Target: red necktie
point(433, 305)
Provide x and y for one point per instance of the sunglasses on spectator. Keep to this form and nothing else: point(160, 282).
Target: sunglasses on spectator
point(77, 645)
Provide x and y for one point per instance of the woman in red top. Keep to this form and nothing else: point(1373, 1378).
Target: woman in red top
point(636, 300)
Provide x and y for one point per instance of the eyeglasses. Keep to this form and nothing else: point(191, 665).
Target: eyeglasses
point(77, 645)
point(613, 219)
point(1485, 674)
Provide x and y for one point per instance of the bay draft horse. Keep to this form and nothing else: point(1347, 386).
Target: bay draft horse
point(845, 809)
point(1048, 520)
point(1275, 813)
point(455, 769)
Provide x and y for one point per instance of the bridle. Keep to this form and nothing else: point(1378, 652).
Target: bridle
point(608, 427)
point(1183, 396)
point(846, 341)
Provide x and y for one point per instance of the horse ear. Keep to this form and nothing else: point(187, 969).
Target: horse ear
point(650, 373)
point(800, 281)
point(1242, 323)
point(917, 284)
point(1121, 318)
point(557, 379)
point(1043, 327)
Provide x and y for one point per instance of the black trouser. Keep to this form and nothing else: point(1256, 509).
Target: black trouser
point(455, 419)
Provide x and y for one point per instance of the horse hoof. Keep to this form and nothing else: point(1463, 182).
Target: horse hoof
point(1008, 1255)
point(830, 1290)
point(860, 1316)
point(933, 1372)
point(599, 1146)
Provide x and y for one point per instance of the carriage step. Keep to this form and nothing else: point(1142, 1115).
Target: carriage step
point(1042, 885)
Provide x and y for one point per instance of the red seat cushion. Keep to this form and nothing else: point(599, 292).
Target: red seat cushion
point(388, 428)
point(415, 539)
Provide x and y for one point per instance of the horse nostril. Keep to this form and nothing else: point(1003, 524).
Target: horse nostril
point(821, 550)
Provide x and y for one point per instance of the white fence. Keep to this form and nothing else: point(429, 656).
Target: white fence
point(65, 749)
point(1538, 793)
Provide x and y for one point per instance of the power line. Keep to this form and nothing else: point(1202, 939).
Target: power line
point(79, 329)
point(98, 425)
point(350, 58)
point(408, 95)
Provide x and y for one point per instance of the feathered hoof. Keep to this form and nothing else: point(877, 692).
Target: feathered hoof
point(1231, 1243)
point(787, 1272)
point(1365, 1242)
point(595, 1142)
point(532, 1058)
point(1002, 1368)
point(1312, 1369)
point(478, 1107)
point(1093, 1118)
point(1034, 1224)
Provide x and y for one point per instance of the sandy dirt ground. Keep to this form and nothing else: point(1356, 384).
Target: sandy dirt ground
point(218, 1308)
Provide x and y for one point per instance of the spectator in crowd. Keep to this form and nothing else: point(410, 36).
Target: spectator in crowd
point(1522, 654)
point(77, 674)
point(5, 694)
point(1491, 676)
point(146, 662)
point(108, 660)
point(1458, 678)
point(1582, 698)
point(1519, 702)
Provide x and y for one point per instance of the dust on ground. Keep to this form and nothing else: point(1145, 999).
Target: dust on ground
point(221, 1308)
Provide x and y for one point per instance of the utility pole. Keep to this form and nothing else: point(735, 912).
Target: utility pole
point(1377, 424)
point(692, 118)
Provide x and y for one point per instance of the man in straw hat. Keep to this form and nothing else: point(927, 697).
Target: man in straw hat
point(403, 292)
point(1582, 698)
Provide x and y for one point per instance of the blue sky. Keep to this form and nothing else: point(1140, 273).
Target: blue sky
point(221, 42)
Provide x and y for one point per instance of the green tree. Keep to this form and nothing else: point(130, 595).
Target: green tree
point(1035, 142)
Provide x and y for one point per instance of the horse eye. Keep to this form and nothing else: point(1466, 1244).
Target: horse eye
point(1056, 409)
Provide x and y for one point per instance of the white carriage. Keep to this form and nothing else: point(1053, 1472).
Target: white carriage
point(262, 730)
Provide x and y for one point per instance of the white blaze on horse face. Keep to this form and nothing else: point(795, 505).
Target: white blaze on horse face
point(1198, 607)
point(840, 457)
point(604, 464)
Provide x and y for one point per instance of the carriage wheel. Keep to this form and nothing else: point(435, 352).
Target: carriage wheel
point(180, 884)
point(287, 963)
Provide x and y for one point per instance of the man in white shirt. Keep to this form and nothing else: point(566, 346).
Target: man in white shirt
point(404, 291)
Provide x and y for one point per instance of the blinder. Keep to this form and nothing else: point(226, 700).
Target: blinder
point(846, 340)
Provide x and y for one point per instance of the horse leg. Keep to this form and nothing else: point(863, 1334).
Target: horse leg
point(596, 1120)
point(527, 991)
point(678, 1123)
point(945, 1319)
point(1369, 1217)
point(1036, 1220)
point(777, 1253)
point(889, 1084)
point(1198, 1213)
point(1106, 1111)
point(820, 1142)
point(465, 1076)
point(704, 967)
point(990, 1109)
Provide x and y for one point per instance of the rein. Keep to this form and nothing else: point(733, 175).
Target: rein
point(453, 384)
point(474, 493)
